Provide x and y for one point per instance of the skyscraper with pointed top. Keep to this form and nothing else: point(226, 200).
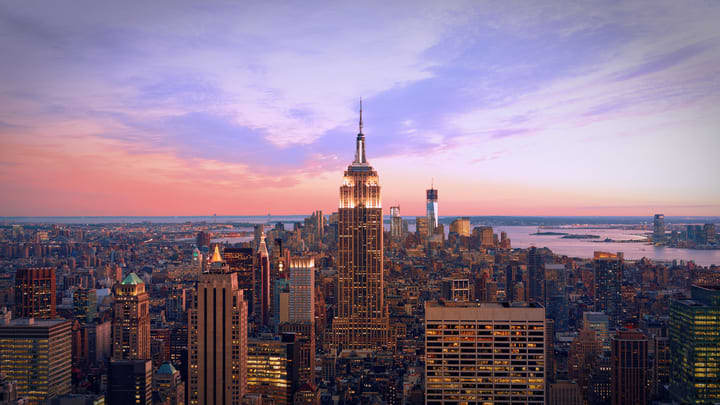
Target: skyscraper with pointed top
point(432, 208)
point(362, 320)
point(263, 260)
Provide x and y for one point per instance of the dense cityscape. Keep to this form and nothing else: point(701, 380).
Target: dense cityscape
point(349, 308)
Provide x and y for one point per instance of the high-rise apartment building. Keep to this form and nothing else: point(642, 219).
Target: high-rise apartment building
point(131, 323)
point(608, 273)
point(695, 347)
point(484, 353)
point(362, 319)
point(217, 338)
point(659, 228)
point(242, 262)
point(35, 293)
point(396, 230)
point(36, 355)
point(272, 368)
point(432, 209)
point(461, 226)
point(630, 371)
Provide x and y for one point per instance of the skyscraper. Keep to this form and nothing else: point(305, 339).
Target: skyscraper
point(484, 353)
point(600, 323)
point(695, 347)
point(362, 320)
point(35, 293)
point(608, 271)
point(241, 262)
point(461, 226)
point(536, 276)
point(630, 371)
point(131, 324)
point(217, 338)
point(264, 290)
point(422, 228)
point(85, 304)
point(659, 228)
point(396, 230)
point(432, 209)
point(36, 355)
point(272, 368)
point(130, 382)
point(302, 290)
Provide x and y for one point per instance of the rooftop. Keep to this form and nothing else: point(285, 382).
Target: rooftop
point(133, 279)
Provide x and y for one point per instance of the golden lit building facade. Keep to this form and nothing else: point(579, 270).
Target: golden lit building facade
point(362, 320)
point(484, 353)
point(36, 355)
point(217, 338)
point(131, 323)
point(272, 368)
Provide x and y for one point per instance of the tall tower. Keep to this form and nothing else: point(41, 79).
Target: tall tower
point(217, 338)
point(659, 228)
point(263, 261)
point(35, 293)
point(630, 372)
point(131, 326)
point(432, 209)
point(362, 320)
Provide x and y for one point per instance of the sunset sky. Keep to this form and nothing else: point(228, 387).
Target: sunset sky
point(239, 108)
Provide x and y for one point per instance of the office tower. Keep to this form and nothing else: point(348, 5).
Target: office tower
point(660, 365)
point(556, 298)
point(630, 373)
point(432, 209)
point(483, 237)
point(710, 233)
point(608, 270)
point(504, 240)
point(99, 342)
point(263, 263)
point(484, 353)
point(85, 304)
point(169, 385)
point(131, 323)
point(695, 346)
point(513, 276)
point(461, 226)
point(36, 355)
point(600, 324)
point(584, 351)
point(217, 338)
point(302, 290)
point(317, 223)
point(659, 228)
point(280, 301)
point(565, 393)
point(536, 276)
point(176, 303)
point(396, 230)
point(258, 232)
point(362, 319)
point(305, 341)
point(421, 228)
point(202, 239)
point(271, 368)
point(129, 382)
point(242, 262)
point(35, 293)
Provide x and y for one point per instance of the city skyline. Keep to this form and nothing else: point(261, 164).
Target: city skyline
point(558, 109)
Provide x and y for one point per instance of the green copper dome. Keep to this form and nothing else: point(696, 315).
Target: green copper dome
point(132, 278)
point(166, 368)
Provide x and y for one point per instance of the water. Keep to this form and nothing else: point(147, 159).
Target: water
point(521, 236)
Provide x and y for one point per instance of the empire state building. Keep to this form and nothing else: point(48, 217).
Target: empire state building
point(362, 320)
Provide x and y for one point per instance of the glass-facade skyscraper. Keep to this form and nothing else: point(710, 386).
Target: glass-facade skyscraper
point(695, 347)
point(432, 209)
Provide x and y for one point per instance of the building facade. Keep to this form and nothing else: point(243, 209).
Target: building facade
point(217, 338)
point(131, 323)
point(484, 353)
point(36, 354)
point(362, 320)
point(35, 293)
point(432, 209)
point(630, 371)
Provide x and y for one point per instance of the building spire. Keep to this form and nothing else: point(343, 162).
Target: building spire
point(361, 115)
point(360, 143)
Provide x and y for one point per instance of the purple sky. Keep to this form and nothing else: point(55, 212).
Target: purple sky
point(518, 108)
